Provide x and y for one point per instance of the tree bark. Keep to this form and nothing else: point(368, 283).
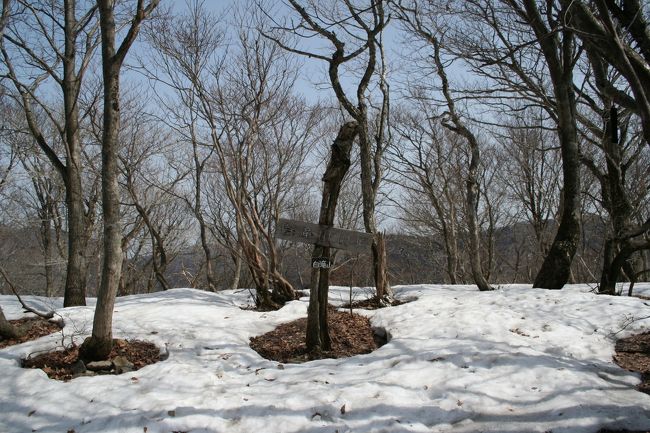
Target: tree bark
point(558, 51)
point(70, 172)
point(75, 287)
point(318, 337)
point(237, 268)
point(77, 268)
point(456, 125)
point(99, 345)
point(369, 195)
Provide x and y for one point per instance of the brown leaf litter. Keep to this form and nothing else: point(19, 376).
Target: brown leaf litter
point(351, 335)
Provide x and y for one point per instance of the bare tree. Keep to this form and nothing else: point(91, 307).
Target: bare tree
point(520, 49)
point(452, 119)
point(618, 148)
point(617, 33)
point(6, 329)
point(249, 137)
point(151, 186)
point(353, 34)
point(58, 48)
point(45, 200)
point(99, 345)
point(263, 154)
point(426, 165)
point(493, 211)
point(558, 48)
point(534, 178)
point(193, 50)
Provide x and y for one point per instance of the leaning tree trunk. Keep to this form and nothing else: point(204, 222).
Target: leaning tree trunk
point(619, 264)
point(379, 261)
point(318, 337)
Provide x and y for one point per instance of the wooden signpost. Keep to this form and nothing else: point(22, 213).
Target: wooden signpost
point(323, 236)
point(308, 233)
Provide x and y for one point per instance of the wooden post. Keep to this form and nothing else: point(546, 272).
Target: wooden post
point(318, 337)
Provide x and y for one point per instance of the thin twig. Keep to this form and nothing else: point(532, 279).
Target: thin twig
point(627, 321)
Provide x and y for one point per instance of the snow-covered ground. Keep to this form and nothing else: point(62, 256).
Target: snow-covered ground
point(513, 360)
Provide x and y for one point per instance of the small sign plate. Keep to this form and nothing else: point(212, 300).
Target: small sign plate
point(321, 263)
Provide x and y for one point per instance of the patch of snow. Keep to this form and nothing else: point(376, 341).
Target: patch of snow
point(513, 360)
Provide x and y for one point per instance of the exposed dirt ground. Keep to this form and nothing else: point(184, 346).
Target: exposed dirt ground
point(633, 353)
point(351, 335)
point(63, 364)
point(33, 328)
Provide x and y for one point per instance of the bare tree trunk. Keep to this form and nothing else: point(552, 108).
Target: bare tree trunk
point(7, 330)
point(472, 217)
point(558, 51)
point(75, 286)
point(46, 235)
point(77, 268)
point(318, 337)
point(615, 196)
point(457, 126)
point(70, 83)
point(619, 264)
point(198, 211)
point(556, 268)
point(369, 193)
point(209, 273)
point(236, 276)
point(101, 342)
point(99, 345)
